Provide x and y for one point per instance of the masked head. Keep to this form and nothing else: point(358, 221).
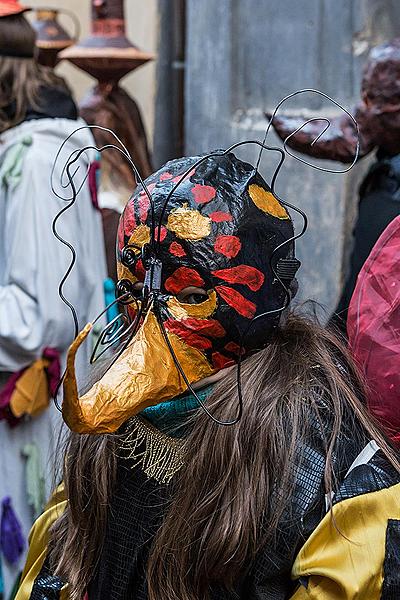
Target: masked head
point(220, 240)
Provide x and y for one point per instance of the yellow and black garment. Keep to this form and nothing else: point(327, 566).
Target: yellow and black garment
point(36, 581)
point(354, 552)
point(348, 552)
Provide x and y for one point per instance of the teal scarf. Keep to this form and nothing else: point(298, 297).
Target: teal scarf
point(171, 417)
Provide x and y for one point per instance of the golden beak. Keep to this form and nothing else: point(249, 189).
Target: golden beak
point(144, 374)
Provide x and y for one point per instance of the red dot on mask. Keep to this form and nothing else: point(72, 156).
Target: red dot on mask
point(203, 193)
point(228, 245)
point(220, 217)
point(165, 176)
point(128, 220)
point(235, 300)
point(242, 274)
point(182, 278)
point(176, 249)
point(144, 204)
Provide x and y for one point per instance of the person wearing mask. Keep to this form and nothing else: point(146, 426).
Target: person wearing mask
point(186, 479)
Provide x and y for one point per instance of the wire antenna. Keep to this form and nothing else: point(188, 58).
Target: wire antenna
point(328, 124)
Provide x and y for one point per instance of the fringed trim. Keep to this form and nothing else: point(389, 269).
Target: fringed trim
point(159, 456)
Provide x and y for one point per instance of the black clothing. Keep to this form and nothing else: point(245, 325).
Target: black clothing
point(54, 103)
point(139, 505)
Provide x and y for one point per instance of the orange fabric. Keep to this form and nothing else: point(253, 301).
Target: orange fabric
point(11, 7)
point(31, 394)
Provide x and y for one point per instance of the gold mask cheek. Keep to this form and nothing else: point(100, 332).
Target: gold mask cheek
point(145, 374)
point(124, 273)
point(181, 311)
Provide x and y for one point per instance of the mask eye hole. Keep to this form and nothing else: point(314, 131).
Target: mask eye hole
point(192, 295)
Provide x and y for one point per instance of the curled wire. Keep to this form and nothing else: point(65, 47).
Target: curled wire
point(71, 160)
point(302, 160)
point(117, 330)
point(219, 153)
point(73, 157)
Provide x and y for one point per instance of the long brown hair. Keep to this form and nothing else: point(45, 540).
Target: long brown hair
point(221, 512)
point(21, 77)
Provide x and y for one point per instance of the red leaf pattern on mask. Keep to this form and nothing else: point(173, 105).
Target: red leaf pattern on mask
point(183, 277)
point(228, 245)
point(189, 336)
point(244, 307)
point(243, 274)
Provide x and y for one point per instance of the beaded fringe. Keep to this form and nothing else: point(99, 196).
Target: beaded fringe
point(161, 457)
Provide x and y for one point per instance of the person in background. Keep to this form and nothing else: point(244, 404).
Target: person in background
point(37, 113)
point(109, 105)
point(373, 328)
point(378, 118)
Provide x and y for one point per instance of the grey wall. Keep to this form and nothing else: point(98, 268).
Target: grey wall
point(242, 58)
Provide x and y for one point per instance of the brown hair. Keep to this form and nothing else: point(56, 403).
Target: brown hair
point(21, 77)
point(221, 512)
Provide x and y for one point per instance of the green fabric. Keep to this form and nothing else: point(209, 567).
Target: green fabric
point(35, 484)
point(171, 417)
point(11, 169)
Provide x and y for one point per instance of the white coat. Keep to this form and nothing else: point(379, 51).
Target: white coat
point(32, 264)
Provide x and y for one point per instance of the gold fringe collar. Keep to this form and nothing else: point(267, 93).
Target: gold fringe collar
point(159, 456)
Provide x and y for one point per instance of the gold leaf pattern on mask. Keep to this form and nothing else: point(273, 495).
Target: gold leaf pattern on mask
point(189, 224)
point(124, 273)
point(140, 236)
point(267, 202)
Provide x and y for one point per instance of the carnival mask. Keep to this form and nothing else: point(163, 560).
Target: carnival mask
point(202, 265)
